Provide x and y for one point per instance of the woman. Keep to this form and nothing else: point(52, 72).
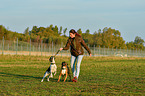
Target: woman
point(75, 42)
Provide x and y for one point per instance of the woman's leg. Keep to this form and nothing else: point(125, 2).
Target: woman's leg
point(72, 63)
point(79, 59)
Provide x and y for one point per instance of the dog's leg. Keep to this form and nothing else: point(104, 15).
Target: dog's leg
point(55, 70)
point(62, 77)
point(45, 74)
point(65, 77)
point(69, 73)
point(55, 73)
point(69, 76)
point(51, 76)
point(59, 77)
point(48, 78)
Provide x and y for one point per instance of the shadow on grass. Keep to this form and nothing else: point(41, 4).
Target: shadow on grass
point(18, 75)
point(28, 77)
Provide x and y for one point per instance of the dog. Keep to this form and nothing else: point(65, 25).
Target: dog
point(64, 71)
point(51, 70)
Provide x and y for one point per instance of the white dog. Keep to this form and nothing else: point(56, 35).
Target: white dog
point(51, 70)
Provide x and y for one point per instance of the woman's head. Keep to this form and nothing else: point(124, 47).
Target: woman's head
point(73, 33)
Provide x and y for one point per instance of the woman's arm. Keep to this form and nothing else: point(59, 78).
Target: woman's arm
point(66, 46)
point(85, 46)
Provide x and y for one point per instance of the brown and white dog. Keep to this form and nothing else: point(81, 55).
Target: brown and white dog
point(64, 71)
point(51, 70)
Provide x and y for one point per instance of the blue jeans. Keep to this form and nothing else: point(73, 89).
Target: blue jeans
point(76, 60)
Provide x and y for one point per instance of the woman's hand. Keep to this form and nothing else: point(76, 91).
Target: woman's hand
point(61, 49)
point(90, 55)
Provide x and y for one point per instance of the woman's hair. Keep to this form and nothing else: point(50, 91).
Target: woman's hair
point(74, 32)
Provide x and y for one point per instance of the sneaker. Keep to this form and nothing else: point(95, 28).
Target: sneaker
point(75, 79)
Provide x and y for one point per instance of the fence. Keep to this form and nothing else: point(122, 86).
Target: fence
point(44, 49)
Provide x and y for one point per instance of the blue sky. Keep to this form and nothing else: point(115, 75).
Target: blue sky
point(127, 16)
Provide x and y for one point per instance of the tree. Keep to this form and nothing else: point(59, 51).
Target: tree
point(138, 40)
point(60, 30)
point(55, 29)
point(112, 38)
point(26, 32)
point(65, 31)
point(79, 31)
point(138, 43)
point(2, 29)
point(87, 31)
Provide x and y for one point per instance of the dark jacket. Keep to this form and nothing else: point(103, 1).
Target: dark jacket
point(75, 45)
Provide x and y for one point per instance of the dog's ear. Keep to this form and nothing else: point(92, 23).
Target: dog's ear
point(61, 63)
point(51, 58)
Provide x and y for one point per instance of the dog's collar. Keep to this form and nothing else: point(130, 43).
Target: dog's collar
point(52, 63)
point(63, 68)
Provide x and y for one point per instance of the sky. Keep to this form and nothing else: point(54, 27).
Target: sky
point(127, 16)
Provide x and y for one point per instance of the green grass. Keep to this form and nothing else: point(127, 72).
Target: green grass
point(21, 75)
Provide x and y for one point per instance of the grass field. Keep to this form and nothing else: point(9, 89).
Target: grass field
point(105, 76)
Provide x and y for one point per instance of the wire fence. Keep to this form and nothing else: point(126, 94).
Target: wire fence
point(44, 49)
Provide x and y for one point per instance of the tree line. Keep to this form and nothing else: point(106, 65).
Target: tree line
point(107, 37)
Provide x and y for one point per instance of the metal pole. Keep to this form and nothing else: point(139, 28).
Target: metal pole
point(108, 51)
point(8, 47)
point(21, 47)
point(33, 48)
point(99, 49)
point(27, 47)
point(61, 47)
point(94, 50)
point(17, 46)
point(30, 48)
point(3, 46)
point(41, 47)
point(104, 50)
point(52, 47)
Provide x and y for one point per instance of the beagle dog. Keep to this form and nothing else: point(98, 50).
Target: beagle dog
point(51, 70)
point(64, 71)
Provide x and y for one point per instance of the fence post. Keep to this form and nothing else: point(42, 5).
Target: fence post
point(17, 46)
point(94, 50)
point(104, 50)
point(27, 47)
point(133, 51)
point(41, 46)
point(52, 48)
point(8, 47)
point(137, 53)
point(112, 52)
point(33, 48)
point(99, 50)
point(108, 51)
point(30, 48)
point(127, 52)
point(21, 47)
point(61, 47)
point(49, 48)
point(3, 46)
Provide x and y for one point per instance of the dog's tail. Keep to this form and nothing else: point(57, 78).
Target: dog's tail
point(68, 70)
